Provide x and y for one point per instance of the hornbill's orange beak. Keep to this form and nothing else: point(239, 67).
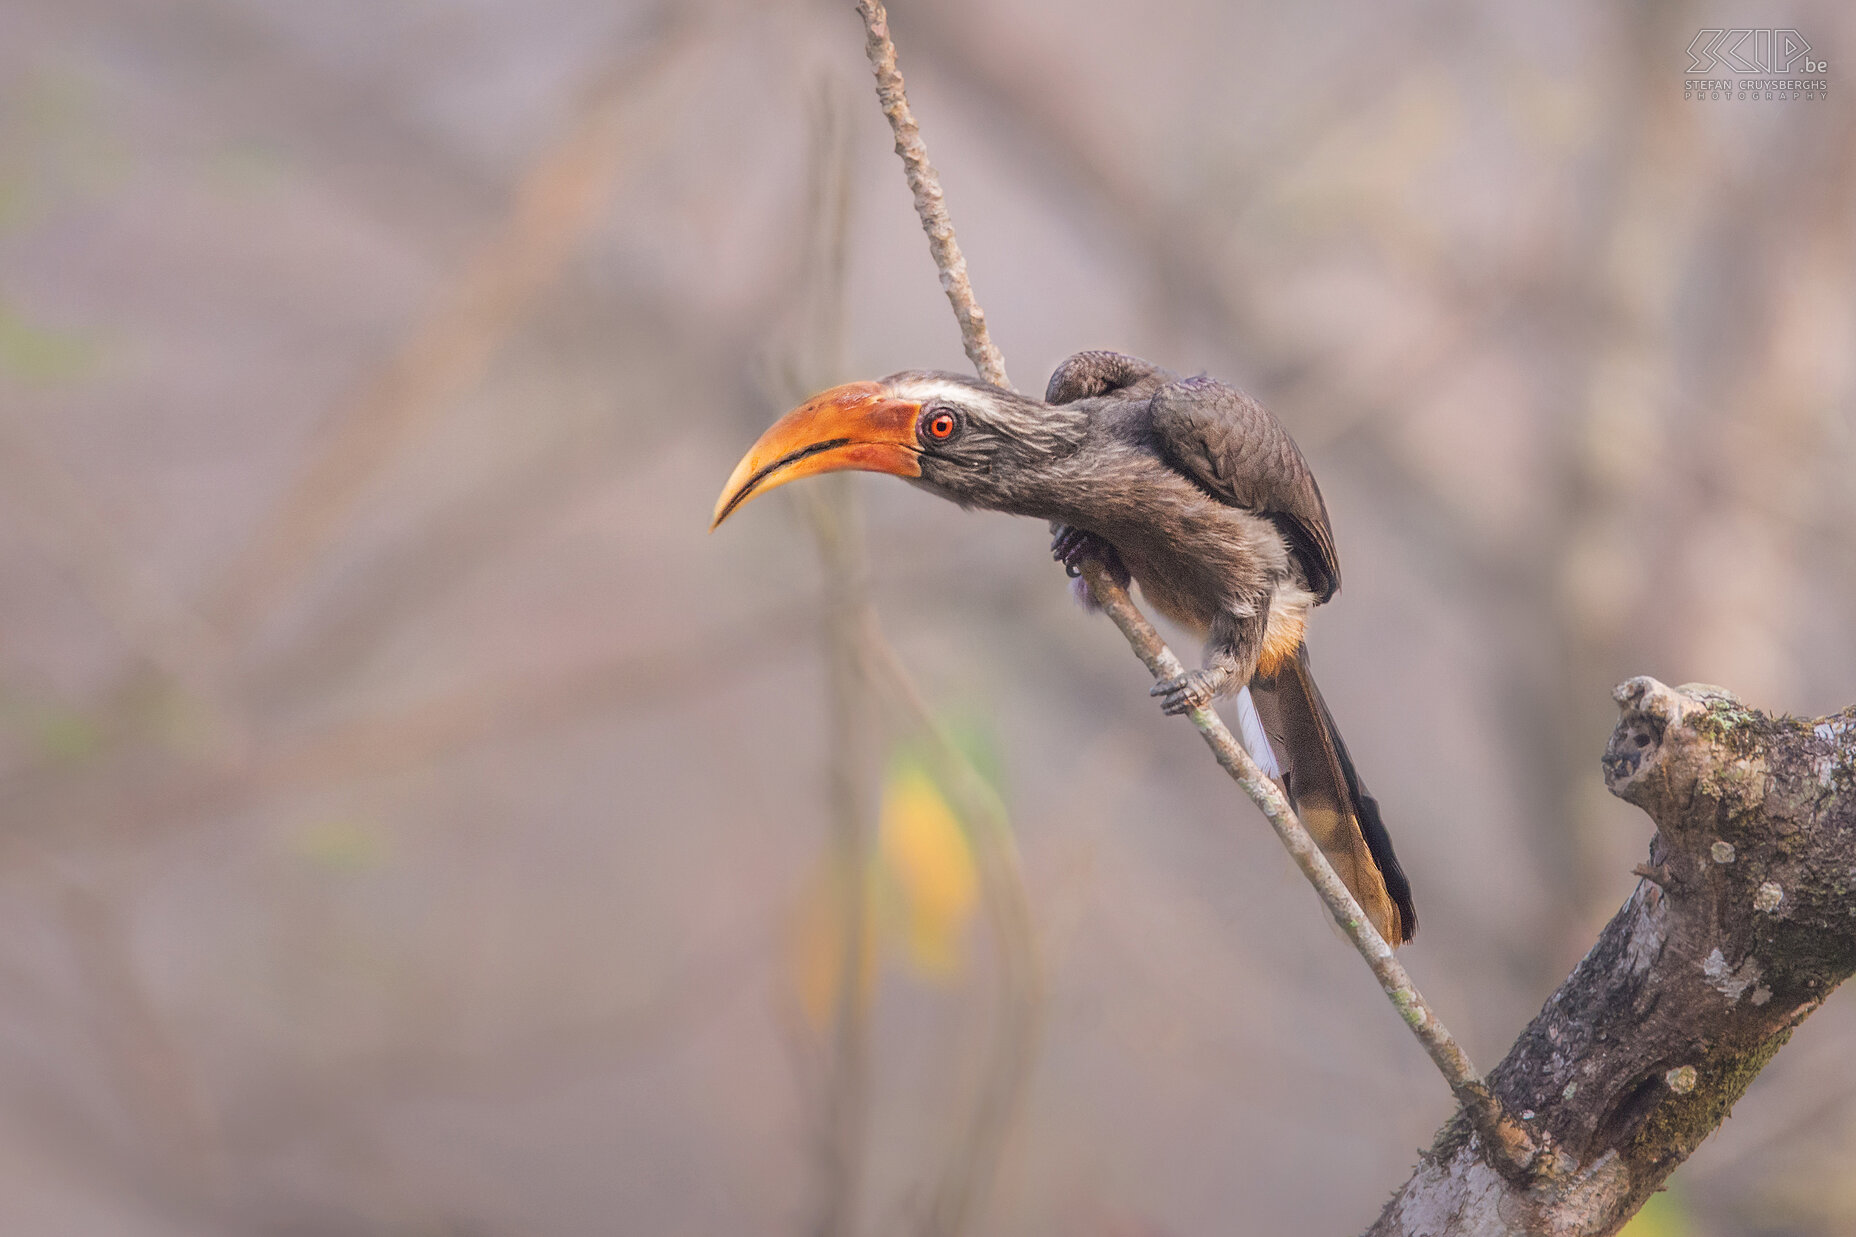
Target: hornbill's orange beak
point(858, 425)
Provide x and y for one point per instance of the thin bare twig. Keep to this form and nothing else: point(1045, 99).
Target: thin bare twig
point(930, 203)
point(1511, 1147)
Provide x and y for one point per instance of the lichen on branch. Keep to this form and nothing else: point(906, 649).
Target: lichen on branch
point(1742, 924)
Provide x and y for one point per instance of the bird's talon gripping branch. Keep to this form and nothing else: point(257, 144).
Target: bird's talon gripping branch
point(1069, 547)
point(1195, 689)
point(1074, 546)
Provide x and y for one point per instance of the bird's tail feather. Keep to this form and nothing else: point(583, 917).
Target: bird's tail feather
point(1255, 739)
point(1326, 791)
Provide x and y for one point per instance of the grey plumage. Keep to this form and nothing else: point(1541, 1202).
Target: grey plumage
point(1235, 448)
point(1196, 491)
point(1186, 486)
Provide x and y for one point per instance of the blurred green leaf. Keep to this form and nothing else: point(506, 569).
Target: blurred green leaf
point(341, 845)
point(249, 167)
point(977, 740)
point(36, 354)
point(65, 735)
point(57, 732)
point(1663, 1216)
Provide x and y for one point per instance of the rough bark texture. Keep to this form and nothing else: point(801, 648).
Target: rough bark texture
point(1743, 923)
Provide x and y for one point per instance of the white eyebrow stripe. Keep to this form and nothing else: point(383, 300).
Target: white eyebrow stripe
point(924, 389)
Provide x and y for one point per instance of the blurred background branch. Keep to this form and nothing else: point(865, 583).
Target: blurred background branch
point(564, 194)
point(858, 658)
point(831, 511)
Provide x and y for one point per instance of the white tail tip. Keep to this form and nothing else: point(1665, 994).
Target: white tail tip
point(1250, 731)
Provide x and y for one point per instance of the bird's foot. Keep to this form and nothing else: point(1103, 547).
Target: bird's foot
point(1194, 689)
point(1073, 547)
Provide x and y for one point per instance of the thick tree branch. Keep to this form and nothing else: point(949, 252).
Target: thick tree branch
point(1504, 1139)
point(1742, 925)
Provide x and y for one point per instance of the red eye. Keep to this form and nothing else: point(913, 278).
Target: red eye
point(941, 425)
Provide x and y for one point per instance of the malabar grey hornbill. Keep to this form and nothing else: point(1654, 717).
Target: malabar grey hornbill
point(1186, 485)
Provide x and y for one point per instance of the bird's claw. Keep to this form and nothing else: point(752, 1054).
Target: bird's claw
point(1070, 546)
point(1183, 693)
point(1074, 546)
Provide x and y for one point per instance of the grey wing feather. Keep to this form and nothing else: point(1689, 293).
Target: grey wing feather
point(1239, 451)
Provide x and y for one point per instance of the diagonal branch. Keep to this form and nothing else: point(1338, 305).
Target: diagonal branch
point(1507, 1140)
point(1510, 1148)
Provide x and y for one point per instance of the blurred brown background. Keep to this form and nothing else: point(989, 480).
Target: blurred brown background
point(411, 822)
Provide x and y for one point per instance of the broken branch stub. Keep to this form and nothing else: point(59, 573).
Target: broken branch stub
point(1748, 924)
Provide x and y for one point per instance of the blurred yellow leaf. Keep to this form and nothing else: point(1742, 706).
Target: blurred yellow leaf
point(926, 854)
point(67, 735)
point(919, 891)
point(58, 732)
point(817, 954)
